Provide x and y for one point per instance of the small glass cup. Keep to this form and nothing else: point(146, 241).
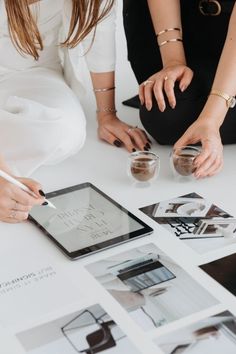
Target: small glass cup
point(182, 161)
point(143, 167)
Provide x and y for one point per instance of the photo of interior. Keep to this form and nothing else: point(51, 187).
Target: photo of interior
point(216, 334)
point(202, 225)
point(88, 331)
point(150, 286)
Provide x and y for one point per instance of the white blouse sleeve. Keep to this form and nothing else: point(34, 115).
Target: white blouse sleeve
point(99, 53)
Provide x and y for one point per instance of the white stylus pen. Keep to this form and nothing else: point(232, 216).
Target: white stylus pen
point(22, 186)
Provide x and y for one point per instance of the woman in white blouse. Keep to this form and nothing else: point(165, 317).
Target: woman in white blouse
point(41, 119)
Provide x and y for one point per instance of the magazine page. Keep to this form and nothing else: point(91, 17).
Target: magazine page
point(151, 286)
point(33, 290)
point(89, 330)
point(223, 270)
point(202, 225)
point(10, 343)
point(215, 334)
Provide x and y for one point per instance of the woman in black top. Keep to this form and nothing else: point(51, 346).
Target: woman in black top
point(174, 47)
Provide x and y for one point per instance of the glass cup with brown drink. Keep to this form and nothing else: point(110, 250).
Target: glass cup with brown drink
point(143, 167)
point(182, 161)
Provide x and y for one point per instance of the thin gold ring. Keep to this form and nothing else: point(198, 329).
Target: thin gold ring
point(130, 129)
point(167, 78)
point(148, 82)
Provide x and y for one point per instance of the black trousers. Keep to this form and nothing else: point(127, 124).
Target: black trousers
point(204, 38)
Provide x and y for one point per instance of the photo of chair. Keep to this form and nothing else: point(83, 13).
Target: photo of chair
point(92, 331)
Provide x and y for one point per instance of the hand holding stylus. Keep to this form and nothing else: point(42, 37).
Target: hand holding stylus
point(17, 197)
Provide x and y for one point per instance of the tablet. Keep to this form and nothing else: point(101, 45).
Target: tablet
point(86, 221)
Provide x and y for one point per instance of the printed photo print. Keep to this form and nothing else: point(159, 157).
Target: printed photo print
point(216, 334)
point(88, 331)
point(202, 225)
point(150, 286)
point(223, 270)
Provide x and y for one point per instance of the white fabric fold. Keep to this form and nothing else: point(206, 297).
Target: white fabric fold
point(41, 119)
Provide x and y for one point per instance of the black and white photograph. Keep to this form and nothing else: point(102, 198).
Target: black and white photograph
point(89, 331)
point(215, 334)
point(151, 286)
point(201, 224)
point(223, 270)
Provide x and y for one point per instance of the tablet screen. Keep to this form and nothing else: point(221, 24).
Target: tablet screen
point(85, 217)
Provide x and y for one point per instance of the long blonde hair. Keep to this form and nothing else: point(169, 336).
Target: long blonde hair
point(24, 32)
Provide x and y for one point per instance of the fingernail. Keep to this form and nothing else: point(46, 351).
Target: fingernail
point(134, 150)
point(145, 148)
point(148, 146)
point(183, 88)
point(117, 143)
point(41, 193)
point(172, 105)
point(45, 203)
point(149, 108)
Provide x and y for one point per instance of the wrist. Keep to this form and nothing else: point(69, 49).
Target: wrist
point(173, 62)
point(210, 120)
point(105, 113)
point(105, 116)
point(173, 56)
point(230, 100)
point(214, 111)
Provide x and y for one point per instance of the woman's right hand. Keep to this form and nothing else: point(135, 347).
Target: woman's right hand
point(15, 203)
point(210, 160)
point(162, 83)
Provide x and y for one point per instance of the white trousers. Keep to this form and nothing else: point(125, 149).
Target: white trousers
point(41, 120)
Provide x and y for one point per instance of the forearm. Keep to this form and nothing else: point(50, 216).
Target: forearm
point(166, 14)
point(110, 127)
point(103, 84)
point(225, 78)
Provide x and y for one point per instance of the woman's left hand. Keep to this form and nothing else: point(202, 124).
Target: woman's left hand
point(210, 160)
point(118, 133)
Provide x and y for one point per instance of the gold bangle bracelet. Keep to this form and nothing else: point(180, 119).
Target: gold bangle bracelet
point(171, 41)
point(106, 110)
point(168, 30)
point(105, 89)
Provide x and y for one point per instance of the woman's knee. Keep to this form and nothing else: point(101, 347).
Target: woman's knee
point(73, 127)
point(64, 135)
point(161, 126)
point(168, 126)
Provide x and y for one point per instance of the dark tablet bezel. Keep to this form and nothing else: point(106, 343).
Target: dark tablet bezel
point(145, 230)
